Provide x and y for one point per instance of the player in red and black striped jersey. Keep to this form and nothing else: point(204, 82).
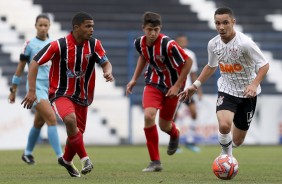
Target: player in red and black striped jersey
point(72, 83)
point(165, 76)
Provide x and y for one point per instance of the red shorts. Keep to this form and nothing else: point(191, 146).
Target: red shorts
point(63, 106)
point(152, 97)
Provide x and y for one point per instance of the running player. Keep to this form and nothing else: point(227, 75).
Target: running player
point(237, 57)
point(167, 69)
point(72, 83)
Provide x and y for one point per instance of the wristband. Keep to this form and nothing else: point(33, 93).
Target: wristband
point(197, 83)
point(16, 80)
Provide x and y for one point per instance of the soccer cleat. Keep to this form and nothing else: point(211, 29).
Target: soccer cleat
point(173, 144)
point(154, 166)
point(87, 166)
point(29, 159)
point(73, 171)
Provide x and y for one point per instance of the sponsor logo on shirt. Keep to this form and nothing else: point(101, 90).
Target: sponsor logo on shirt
point(230, 67)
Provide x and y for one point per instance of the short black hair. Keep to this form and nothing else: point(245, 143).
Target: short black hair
point(44, 16)
point(224, 10)
point(152, 18)
point(80, 17)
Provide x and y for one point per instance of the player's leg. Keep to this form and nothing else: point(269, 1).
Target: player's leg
point(242, 120)
point(32, 139)
point(151, 103)
point(66, 111)
point(81, 117)
point(225, 121)
point(167, 113)
point(45, 110)
point(226, 107)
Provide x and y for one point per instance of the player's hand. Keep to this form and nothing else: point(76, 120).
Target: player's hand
point(109, 77)
point(29, 99)
point(186, 94)
point(250, 91)
point(172, 92)
point(12, 98)
point(129, 87)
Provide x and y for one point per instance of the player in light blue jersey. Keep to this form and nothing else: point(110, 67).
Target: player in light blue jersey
point(44, 112)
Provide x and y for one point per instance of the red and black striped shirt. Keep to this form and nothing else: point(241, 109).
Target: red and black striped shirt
point(165, 60)
point(72, 71)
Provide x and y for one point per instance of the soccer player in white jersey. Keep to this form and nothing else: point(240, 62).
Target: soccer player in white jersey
point(239, 84)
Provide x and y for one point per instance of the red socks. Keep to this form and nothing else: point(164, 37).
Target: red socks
point(76, 145)
point(173, 132)
point(152, 138)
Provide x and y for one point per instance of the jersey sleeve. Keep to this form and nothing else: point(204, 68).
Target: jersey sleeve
point(137, 44)
point(177, 53)
point(45, 54)
point(26, 52)
point(256, 54)
point(100, 52)
point(212, 58)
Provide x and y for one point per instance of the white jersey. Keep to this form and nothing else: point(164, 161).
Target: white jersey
point(237, 61)
point(194, 67)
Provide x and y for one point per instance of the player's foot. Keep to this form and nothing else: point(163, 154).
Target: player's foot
point(29, 159)
point(173, 144)
point(87, 166)
point(193, 148)
point(154, 166)
point(73, 171)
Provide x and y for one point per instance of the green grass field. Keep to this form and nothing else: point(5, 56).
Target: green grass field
point(123, 164)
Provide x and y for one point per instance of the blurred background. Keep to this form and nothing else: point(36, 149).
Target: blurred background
point(113, 118)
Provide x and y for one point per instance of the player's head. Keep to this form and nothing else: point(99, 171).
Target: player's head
point(42, 25)
point(152, 23)
point(182, 40)
point(224, 22)
point(82, 25)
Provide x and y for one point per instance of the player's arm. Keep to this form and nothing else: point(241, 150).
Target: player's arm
point(194, 77)
point(204, 76)
point(251, 90)
point(16, 80)
point(174, 90)
point(31, 95)
point(141, 63)
point(107, 70)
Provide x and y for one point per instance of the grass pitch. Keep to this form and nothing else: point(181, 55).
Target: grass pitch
point(123, 164)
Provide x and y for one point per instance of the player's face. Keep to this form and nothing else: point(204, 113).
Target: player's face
point(42, 26)
point(151, 33)
point(86, 29)
point(225, 27)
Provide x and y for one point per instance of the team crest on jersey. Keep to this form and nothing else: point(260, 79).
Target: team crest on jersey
point(159, 57)
point(88, 56)
point(219, 101)
point(234, 53)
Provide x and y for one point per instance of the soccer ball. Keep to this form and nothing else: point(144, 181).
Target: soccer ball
point(225, 167)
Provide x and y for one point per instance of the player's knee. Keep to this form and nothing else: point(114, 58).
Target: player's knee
point(70, 120)
point(237, 142)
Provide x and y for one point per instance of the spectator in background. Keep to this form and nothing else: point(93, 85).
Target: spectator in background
point(43, 110)
point(167, 68)
point(182, 41)
point(72, 83)
point(237, 57)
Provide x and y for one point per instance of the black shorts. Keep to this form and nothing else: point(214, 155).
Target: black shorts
point(243, 108)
